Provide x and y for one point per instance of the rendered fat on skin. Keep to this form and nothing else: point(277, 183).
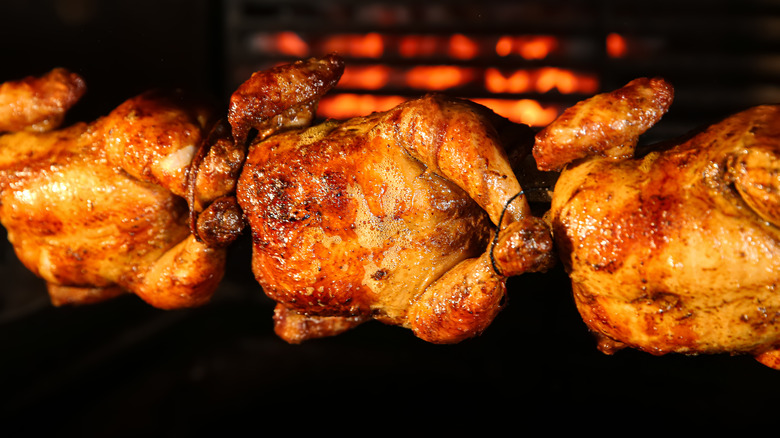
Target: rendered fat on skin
point(96, 209)
point(387, 217)
point(677, 250)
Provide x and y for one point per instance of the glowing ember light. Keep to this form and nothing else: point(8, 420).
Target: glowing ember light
point(504, 46)
point(411, 46)
point(527, 111)
point(588, 84)
point(438, 77)
point(462, 47)
point(458, 47)
point(495, 82)
point(550, 77)
point(541, 80)
point(537, 47)
point(370, 45)
point(289, 43)
point(346, 105)
point(370, 77)
point(517, 82)
point(616, 45)
point(528, 47)
point(343, 106)
point(565, 81)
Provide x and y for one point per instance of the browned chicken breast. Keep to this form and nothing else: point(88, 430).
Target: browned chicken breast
point(97, 209)
point(677, 250)
point(388, 217)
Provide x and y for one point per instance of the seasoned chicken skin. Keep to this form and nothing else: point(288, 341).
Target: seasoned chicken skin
point(98, 209)
point(39, 103)
point(677, 250)
point(283, 97)
point(389, 217)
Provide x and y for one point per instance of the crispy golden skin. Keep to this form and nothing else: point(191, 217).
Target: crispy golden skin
point(96, 209)
point(606, 125)
point(389, 217)
point(679, 250)
point(39, 103)
point(282, 97)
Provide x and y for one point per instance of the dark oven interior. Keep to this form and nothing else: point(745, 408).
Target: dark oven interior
point(122, 368)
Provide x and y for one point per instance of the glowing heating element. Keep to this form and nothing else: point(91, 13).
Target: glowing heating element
point(509, 73)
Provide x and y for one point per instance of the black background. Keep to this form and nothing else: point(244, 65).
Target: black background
point(122, 368)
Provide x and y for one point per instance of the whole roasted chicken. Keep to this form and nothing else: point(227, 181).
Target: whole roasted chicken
point(99, 209)
point(412, 217)
point(676, 250)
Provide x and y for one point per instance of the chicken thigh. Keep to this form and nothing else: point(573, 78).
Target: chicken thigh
point(390, 217)
point(677, 250)
point(98, 209)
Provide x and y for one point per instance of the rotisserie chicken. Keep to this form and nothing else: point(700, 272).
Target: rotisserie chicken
point(389, 216)
point(677, 250)
point(413, 217)
point(98, 209)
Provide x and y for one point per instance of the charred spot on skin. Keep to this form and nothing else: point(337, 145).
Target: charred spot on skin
point(764, 319)
point(666, 302)
point(379, 275)
point(609, 266)
point(298, 215)
point(663, 301)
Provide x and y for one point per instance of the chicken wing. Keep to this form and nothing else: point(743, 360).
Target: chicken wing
point(39, 103)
